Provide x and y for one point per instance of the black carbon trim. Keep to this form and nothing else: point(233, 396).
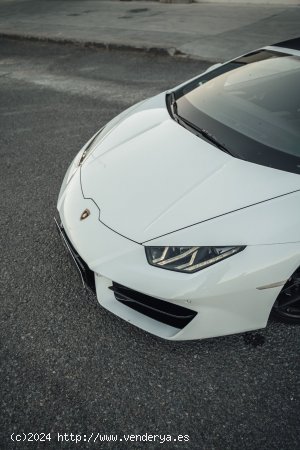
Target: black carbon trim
point(161, 310)
point(86, 274)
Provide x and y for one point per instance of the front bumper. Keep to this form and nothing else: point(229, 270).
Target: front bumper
point(86, 274)
point(160, 310)
point(220, 300)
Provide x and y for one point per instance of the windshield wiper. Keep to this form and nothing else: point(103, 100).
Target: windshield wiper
point(209, 137)
point(197, 130)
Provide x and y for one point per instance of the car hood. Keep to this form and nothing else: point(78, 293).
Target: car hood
point(150, 176)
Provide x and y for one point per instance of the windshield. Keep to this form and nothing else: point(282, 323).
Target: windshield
point(251, 106)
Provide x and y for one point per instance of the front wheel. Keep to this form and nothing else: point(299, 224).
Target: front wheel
point(287, 305)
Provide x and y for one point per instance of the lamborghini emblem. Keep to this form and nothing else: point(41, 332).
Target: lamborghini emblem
point(85, 214)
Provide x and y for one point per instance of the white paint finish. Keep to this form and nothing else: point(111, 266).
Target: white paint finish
point(95, 243)
point(224, 294)
point(150, 176)
point(271, 222)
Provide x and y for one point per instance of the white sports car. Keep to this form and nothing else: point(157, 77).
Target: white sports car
point(183, 212)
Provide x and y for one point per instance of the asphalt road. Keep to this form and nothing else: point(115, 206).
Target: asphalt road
point(69, 366)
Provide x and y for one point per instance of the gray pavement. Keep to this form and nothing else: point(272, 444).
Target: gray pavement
point(208, 31)
point(66, 364)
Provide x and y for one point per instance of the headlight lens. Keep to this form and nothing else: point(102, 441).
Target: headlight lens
point(89, 147)
point(188, 259)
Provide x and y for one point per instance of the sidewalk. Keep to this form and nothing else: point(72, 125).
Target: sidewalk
point(209, 31)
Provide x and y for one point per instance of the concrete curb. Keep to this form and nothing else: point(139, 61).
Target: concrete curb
point(166, 51)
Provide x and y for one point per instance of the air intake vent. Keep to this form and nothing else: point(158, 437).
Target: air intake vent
point(160, 310)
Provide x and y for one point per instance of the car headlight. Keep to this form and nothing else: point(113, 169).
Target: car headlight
point(106, 130)
point(188, 259)
point(89, 146)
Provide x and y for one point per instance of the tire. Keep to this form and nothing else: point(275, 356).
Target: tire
point(287, 305)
